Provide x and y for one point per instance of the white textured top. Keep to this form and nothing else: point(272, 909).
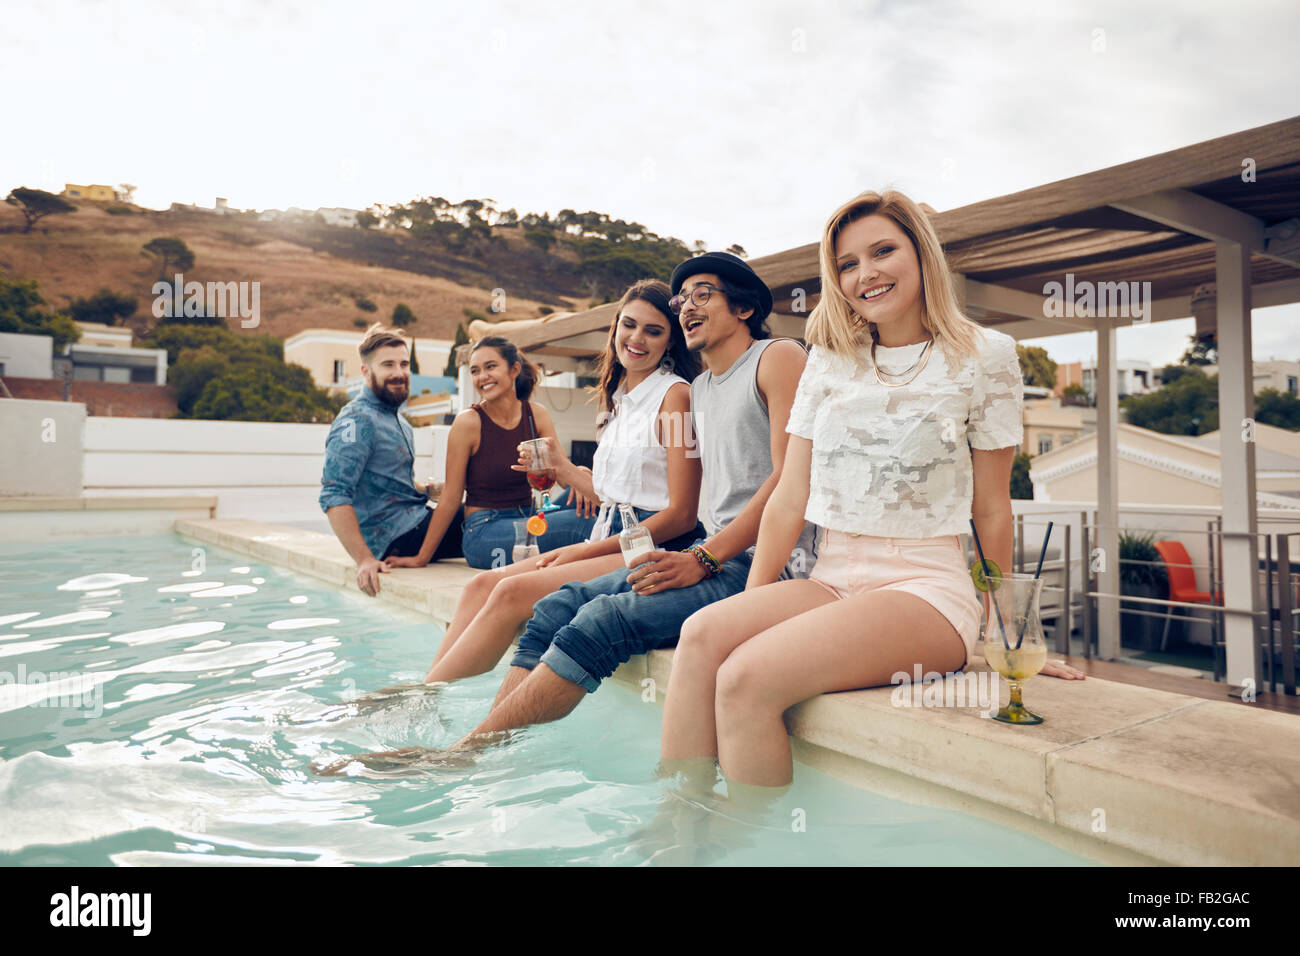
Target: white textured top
point(630, 465)
point(896, 462)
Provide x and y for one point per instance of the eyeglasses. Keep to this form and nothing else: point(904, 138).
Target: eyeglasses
point(698, 296)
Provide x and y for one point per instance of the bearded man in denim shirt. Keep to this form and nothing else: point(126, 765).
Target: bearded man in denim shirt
point(368, 491)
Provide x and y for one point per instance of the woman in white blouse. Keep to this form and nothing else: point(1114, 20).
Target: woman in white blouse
point(643, 459)
point(903, 429)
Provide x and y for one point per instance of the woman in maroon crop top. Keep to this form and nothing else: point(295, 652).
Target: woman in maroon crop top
point(481, 448)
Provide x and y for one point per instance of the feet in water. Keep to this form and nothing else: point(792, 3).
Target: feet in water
point(386, 696)
point(388, 763)
point(696, 826)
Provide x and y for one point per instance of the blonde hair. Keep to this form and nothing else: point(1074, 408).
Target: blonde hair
point(831, 324)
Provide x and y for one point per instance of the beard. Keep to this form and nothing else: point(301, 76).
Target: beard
point(393, 393)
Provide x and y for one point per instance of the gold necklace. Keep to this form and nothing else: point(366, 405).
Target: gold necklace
point(922, 361)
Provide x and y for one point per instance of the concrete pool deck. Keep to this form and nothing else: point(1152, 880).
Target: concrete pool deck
point(1118, 773)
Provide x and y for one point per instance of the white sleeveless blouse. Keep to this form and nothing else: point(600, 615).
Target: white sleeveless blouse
point(630, 465)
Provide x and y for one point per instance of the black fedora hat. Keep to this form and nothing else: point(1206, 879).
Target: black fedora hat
point(733, 269)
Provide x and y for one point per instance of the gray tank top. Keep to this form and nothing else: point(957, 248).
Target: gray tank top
point(732, 428)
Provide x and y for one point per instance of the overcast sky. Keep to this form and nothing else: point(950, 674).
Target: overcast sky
point(723, 121)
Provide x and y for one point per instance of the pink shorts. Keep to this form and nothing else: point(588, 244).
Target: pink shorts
point(933, 569)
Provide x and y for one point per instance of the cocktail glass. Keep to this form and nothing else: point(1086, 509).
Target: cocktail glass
point(1013, 639)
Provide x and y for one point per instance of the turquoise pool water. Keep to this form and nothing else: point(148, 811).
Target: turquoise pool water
point(160, 704)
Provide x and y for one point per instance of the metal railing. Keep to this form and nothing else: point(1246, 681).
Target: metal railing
point(1276, 623)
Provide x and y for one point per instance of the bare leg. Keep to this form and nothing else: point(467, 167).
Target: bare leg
point(708, 637)
point(861, 641)
point(514, 678)
point(503, 604)
point(541, 697)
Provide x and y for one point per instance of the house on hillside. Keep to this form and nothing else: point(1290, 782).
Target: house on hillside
point(339, 216)
point(93, 193)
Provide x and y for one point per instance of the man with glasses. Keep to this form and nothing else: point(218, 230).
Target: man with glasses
point(739, 408)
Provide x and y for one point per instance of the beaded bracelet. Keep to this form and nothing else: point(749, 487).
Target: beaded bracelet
point(707, 561)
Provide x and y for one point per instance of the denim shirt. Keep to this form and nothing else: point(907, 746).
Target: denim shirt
point(369, 460)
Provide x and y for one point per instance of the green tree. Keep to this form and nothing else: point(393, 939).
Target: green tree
point(1036, 366)
point(191, 372)
point(21, 312)
point(104, 306)
point(366, 219)
point(1022, 488)
point(1278, 409)
point(1187, 406)
point(415, 362)
point(36, 204)
point(462, 338)
point(366, 305)
point(1075, 395)
point(178, 337)
point(217, 373)
point(1172, 373)
point(266, 391)
point(169, 253)
point(736, 249)
point(402, 315)
point(541, 238)
point(1202, 351)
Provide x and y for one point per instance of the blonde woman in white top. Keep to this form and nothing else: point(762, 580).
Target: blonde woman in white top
point(644, 458)
point(903, 430)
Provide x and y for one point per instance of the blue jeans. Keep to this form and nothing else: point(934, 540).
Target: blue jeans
point(488, 536)
point(586, 629)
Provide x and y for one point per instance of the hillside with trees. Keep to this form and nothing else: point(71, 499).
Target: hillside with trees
point(435, 257)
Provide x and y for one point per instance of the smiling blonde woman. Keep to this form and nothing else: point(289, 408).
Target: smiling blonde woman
point(903, 429)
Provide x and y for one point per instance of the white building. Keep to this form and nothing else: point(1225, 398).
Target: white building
point(1133, 377)
point(339, 216)
point(1279, 374)
point(26, 356)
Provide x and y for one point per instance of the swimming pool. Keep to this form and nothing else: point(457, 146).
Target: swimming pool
point(160, 703)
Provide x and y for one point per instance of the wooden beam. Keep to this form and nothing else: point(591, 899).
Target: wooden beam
point(1275, 144)
point(597, 319)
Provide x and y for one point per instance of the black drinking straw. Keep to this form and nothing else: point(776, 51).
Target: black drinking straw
point(985, 565)
point(1041, 554)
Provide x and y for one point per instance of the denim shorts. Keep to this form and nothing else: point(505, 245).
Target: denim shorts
point(488, 535)
point(586, 629)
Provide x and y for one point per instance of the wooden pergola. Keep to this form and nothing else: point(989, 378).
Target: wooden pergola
point(1224, 213)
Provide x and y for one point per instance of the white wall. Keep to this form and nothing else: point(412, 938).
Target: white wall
point(27, 356)
point(260, 470)
point(40, 446)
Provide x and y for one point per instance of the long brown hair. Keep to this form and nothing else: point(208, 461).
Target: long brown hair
point(677, 357)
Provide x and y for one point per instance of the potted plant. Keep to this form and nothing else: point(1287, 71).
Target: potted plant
point(1141, 574)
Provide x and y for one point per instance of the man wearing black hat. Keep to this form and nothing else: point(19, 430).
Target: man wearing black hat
point(740, 406)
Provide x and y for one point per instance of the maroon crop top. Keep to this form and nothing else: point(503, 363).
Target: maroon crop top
point(489, 482)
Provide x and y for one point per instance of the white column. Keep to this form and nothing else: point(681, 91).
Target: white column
point(1107, 491)
point(1237, 457)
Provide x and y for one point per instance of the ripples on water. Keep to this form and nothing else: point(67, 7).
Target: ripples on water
point(152, 712)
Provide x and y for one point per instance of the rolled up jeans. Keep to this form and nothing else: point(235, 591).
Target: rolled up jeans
point(585, 630)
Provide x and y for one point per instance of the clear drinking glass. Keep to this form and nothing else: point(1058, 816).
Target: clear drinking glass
point(1013, 639)
point(525, 543)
